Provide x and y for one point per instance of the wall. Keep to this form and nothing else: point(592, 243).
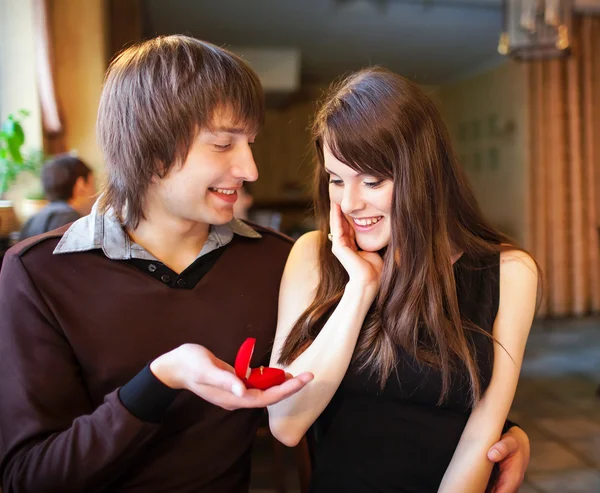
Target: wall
point(487, 117)
point(17, 79)
point(79, 31)
point(17, 69)
point(79, 35)
point(283, 153)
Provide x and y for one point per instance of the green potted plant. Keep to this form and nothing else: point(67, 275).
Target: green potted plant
point(14, 160)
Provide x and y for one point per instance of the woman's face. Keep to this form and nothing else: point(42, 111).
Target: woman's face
point(366, 202)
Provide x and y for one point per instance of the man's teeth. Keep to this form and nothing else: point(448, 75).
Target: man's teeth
point(368, 221)
point(222, 190)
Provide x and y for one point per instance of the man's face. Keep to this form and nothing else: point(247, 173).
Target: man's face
point(205, 187)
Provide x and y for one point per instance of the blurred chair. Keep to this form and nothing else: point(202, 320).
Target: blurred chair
point(303, 454)
point(304, 461)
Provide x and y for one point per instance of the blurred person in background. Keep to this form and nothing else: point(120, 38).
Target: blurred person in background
point(244, 202)
point(69, 186)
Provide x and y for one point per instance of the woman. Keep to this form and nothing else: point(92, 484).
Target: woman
point(413, 315)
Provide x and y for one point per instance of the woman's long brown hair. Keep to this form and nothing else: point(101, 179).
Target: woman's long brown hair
point(383, 125)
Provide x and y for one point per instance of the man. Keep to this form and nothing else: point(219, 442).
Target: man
point(68, 185)
point(118, 333)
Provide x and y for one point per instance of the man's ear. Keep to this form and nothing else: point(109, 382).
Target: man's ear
point(80, 186)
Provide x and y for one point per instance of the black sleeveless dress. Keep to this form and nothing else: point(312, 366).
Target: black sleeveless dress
point(399, 440)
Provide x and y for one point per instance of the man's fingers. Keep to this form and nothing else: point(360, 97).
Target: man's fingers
point(498, 452)
point(224, 366)
point(503, 449)
point(264, 398)
point(225, 380)
point(221, 396)
point(305, 377)
point(217, 396)
point(512, 454)
point(283, 391)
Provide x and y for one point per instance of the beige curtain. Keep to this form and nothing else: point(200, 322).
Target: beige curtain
point(52, 125)
point(564, 186)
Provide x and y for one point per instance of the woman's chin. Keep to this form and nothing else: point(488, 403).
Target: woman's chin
point(370, 244)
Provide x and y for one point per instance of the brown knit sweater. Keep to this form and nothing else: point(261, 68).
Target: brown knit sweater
point(75, 328)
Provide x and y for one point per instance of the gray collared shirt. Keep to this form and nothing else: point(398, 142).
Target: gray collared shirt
point(105, 231)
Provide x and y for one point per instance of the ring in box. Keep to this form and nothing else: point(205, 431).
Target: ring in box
point(256, 378)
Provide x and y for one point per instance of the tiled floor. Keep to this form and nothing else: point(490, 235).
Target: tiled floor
point(555, 403)
point(557, 406)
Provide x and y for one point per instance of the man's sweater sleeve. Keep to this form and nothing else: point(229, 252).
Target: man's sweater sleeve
point(52, 438)
point(508, 424)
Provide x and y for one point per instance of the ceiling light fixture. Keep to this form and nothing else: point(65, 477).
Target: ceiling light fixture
point(536, 29)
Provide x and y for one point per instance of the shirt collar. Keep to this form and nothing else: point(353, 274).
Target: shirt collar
point(104, 231)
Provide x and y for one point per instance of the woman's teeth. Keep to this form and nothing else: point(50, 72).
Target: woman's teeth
point(367, 221)
point(222, 190)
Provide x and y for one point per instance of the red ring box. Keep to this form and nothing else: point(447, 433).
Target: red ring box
point(257, 378)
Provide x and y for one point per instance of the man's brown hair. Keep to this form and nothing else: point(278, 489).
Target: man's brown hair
point(156, 96)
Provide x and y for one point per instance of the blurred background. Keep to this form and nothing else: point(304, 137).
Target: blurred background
point(518, 83)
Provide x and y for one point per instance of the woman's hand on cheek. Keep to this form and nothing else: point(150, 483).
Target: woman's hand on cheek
point(364, 268)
